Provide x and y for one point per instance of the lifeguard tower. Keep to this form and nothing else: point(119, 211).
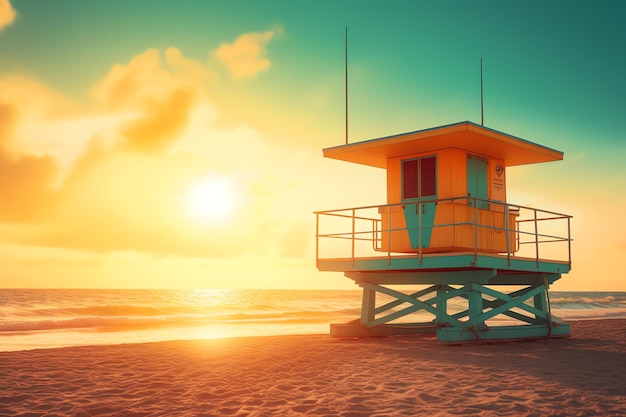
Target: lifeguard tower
point(447, 254)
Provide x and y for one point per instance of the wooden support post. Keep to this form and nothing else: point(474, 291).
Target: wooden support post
point(442, 304)
point(541, 303)
point(368, 306)
point(475, 301)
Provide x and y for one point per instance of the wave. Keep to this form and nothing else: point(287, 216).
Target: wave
point(590, 314)
point(36, 318)
point(83, 323)
point(128, 323)
point(586, 301)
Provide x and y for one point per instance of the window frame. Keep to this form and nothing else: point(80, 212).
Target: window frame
point(419, 179)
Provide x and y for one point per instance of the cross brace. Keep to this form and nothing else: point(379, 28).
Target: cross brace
point(527, 308)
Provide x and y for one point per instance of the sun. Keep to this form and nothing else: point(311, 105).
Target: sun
point(211, 200)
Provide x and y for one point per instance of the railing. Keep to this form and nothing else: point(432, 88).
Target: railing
point(461, 224)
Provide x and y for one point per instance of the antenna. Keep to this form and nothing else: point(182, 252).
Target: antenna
point(482, 111)
point(346, 85)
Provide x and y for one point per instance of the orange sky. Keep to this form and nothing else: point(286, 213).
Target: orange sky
point(115, 152)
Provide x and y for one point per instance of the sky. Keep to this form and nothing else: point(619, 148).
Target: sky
point(160, 144)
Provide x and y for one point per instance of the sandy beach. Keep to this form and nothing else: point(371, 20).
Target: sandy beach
point(319, 376)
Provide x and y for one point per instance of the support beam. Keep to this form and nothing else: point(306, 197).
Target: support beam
point(484, 303)
point(452, 335)
point(442, 303)
point(475, 300)
point(368, 306)
point(459, 277)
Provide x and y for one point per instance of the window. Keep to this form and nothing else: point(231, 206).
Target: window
point(419, 178)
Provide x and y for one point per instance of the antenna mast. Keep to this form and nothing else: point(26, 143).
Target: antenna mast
point(346, 85)
point(482, 112)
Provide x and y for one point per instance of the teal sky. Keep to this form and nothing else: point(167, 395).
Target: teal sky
point(570, 52)
point(545, 63)
point(554, 72)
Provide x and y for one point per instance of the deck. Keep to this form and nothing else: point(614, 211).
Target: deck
point(463, 237)
point(410, 269)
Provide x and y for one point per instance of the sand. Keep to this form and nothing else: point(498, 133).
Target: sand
point(315, 375)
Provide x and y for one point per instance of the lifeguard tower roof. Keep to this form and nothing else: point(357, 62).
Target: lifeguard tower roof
point(463, 135)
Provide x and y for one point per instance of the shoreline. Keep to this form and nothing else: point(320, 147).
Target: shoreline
point(316, 375)
point(235, 337)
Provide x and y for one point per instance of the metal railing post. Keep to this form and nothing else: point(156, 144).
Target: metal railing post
point(507, 226)
point(317, 240)
point(388, 235)
point(536, 239)
point(418, 207)
point(475, 229)
point(353, 234)
point(569, 242)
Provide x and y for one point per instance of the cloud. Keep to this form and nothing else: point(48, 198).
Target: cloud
point(25, 180)
point(150, 133)
point(188, 68)
point(160, 93)
point(128, 86)
point(245, 56)
point(33, 99)
point(26, 187)
point(7, 14)
point(147, 78)
point(8, 116)
point(162, 122)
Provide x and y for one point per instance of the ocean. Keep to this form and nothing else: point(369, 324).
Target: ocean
point(36, 318)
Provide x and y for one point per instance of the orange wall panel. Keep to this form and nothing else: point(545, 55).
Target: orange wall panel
point(451, 182)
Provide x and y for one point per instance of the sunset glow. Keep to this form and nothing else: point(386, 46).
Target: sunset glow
point(211, 200)
point(179, 145)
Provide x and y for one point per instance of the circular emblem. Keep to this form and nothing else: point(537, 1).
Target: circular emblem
point(499, 170)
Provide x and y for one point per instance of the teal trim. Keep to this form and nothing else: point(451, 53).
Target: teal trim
point(420, 219)
point(464, 260)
